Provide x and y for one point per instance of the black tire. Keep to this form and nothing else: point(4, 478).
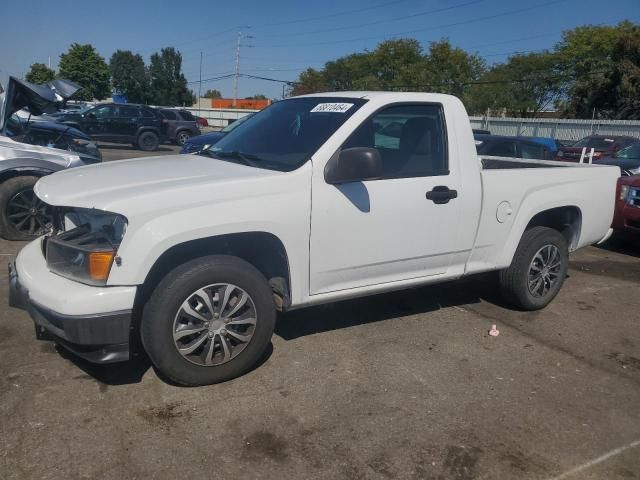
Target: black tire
point(514, 281)
point(182, 136)
point(157, 325)
point(22, 214)
point(148, 141)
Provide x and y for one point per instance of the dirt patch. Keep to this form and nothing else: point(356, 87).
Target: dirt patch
point(461, 462)
point(625, 361)
point(164, 415)
point(260, 444)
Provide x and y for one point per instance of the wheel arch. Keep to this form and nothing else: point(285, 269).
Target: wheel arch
point(142, 130)
point(263, 250)
point(23, 172)
point(566, 219)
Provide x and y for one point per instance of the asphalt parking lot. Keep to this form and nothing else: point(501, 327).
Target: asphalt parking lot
point(402, 385)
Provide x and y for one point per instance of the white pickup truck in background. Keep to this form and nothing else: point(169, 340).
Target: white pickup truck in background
point(315, 199)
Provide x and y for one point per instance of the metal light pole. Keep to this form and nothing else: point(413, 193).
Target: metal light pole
point(200, 85)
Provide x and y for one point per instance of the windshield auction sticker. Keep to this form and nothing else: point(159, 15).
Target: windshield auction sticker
point(332, 107)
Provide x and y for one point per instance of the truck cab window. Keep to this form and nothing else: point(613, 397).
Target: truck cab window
point(410, 139)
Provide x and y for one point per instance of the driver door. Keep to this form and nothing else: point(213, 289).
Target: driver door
point(380, 231)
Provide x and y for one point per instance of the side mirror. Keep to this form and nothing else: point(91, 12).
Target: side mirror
point(91, 115)
point(354, 165)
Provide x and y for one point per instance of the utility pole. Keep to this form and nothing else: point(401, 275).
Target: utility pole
point(235, 80)
point(237, 75)
point(200, 85)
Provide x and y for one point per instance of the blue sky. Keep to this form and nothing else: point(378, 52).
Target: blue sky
point(288, 35)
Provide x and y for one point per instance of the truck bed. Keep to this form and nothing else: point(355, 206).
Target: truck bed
point(514, 189)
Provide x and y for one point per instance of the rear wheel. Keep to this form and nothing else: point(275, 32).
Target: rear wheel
point(148, 141)
point(538, 269)
point(23, 215)
point(183, 136)
point(208, 321)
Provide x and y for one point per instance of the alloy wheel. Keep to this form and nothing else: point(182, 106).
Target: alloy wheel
point(183, 137)
point(544, 271)
point(27, 213)
point(214, 324)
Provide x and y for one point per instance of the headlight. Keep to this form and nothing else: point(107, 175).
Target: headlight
point(624, 191)
point(87, 247)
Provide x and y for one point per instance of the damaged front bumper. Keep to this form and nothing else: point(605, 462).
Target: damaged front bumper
point(98, 338)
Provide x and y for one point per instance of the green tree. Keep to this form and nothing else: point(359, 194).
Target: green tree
point(212, 94)
point(39, 73)
point(586, 56)
point(451, 70)
point(397, 65)
point(257, 96)
point(523, 86)
point(83, 65)
point(624, 87)
point(129, 76)
point(168, 85)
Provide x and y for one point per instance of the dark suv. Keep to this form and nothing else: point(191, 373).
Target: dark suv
point(181, 125)
point(120, 123)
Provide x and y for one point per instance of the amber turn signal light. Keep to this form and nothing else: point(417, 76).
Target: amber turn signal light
point(100, 264)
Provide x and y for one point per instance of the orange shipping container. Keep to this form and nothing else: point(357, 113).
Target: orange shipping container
point(240, 103)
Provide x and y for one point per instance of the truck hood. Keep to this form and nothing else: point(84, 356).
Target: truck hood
point(147, 184)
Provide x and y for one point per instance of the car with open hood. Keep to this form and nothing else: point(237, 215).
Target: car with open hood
point(23, 159)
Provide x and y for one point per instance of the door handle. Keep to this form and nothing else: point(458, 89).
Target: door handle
point(441, 195)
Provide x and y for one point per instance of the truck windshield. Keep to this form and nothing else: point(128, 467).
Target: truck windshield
point(286, 134)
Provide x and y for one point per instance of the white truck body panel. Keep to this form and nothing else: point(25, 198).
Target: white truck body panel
point(341, 241)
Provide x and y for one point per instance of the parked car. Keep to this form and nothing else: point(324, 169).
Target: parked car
point(24, 216)
point(195, 144)
point(197, 252)
point(626, 219)
point(628, 159)
point(181, 125)
point(517, 147)
point(603, 145)
point(54, 135)
point(551, 143)
point(129, 123)
point(202, 122)
point(481, 131)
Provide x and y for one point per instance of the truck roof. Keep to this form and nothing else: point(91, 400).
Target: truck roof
point(374, 94)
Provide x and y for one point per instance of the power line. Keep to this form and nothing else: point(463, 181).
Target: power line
point(331, 15)
point(386, 20)
point(217, 34)
point(409, 32)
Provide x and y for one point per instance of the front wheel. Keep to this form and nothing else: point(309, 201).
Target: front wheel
point(23, 215)
point(208, 321)
point(538, 269)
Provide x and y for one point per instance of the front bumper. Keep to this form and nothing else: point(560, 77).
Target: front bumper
point(627, 219)
point(102, 337)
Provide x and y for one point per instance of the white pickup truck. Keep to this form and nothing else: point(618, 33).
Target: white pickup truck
point(315, 199)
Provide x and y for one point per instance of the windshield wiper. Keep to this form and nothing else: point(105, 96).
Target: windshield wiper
point(246, 158)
